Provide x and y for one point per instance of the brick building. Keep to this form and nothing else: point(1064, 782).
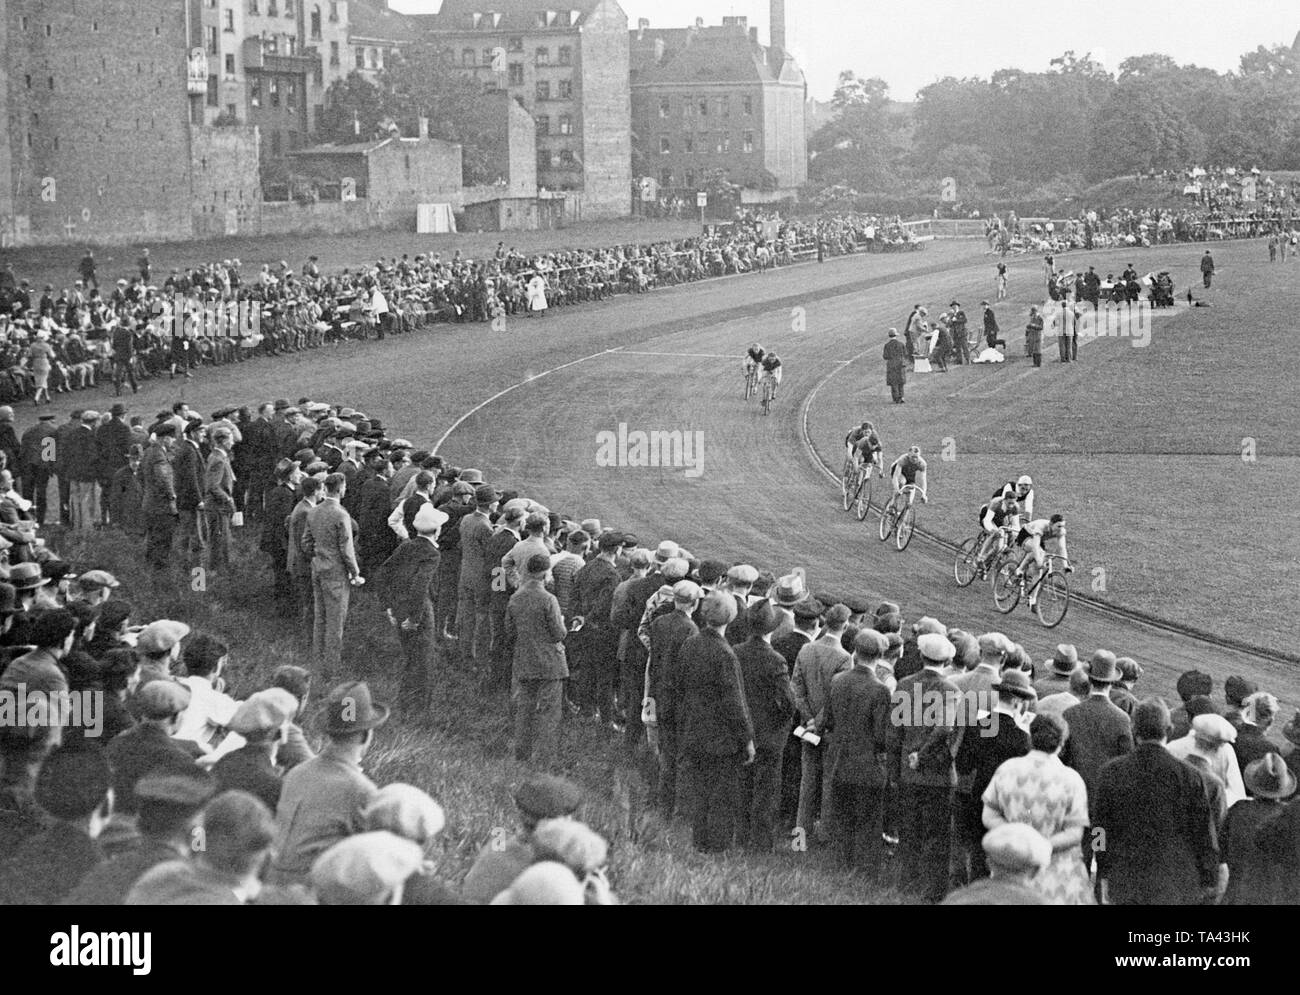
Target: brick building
point(95, 143)
point(569, 69)
point(375, 34)
point(711, 98)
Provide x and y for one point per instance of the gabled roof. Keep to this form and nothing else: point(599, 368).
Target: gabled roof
point(367, 19)
point(351, 148)
point(710, 54)
point(516, 15)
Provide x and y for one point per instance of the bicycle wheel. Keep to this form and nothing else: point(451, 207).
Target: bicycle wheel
point(1006, 588)
point(848, 487)
point(749, 385)
point(1053, 599)
point(888, 519)
point(864, 496)
point(965, 568)
point(767, 398)
point(906, 525)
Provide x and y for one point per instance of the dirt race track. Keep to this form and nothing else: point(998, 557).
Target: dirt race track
point(527, 406)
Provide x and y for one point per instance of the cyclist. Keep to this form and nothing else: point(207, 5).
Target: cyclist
point(863, 447)
point(770, 367)
point(909, 469)
point(997, 517)
point(1032, 537)
point(753, 356)
point(1024, 494)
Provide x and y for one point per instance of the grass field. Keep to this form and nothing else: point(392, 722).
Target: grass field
point(1175, 463)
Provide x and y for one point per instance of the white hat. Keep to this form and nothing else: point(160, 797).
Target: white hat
point(1213, 728)
point(1017, 846)
point(687, 592)
point(667, 550)
point(429, 519)
point(364, 869)
point(935, 648)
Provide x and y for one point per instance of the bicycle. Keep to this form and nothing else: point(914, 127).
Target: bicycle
point(968, 565)
point(751, 381)
point(900, 524)
point(855, 485)
point(768, 387)
point(1050, 590)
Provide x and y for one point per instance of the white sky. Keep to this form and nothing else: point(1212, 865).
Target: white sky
point(910, 43)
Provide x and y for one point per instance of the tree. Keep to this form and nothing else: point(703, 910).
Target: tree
point(1142, 127)
point(353, 109)
point(1144, 66)
point(858, 148)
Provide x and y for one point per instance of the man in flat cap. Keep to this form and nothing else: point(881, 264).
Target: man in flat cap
point(541, 797)
point(925, 710)
point(717, 733)
point(168, 809)
point(262, 720)
point(1015, 853)
point(534, 622)
point(149, 748)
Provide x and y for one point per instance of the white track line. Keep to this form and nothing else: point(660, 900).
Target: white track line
point(682, 355)
point(502, 393)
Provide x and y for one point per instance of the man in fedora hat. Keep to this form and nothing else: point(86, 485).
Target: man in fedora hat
point(663, 688)
point(474, 587)
point(1153, 814)
point(896, 357)
point(1062, 664)
point(322, 799)
point(984, 744)
point(1255, 877)
point(1099, 729)
point(534, 622)
point(814, 669)
point(766, 681)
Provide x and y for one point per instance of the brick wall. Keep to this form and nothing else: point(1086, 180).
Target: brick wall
point(406, 173)
point(606, 104)
point(225, 181)
point(785, 148)
point(108, 157)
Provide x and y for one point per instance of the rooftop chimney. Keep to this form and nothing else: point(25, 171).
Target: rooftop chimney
point(778, 31)
point(699, 22)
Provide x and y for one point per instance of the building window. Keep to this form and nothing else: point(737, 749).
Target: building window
point(49, 30)
point(543, 122)
point(703, 106)
point(272, 8)
point(749, 106)
point(334, 11)
point(255, 92)
point(749, 141)
point(334, 53)
point(543, 158)
point(718, 141)
point(543, 57)
point(726, 141)
point(543, 90)
point(231, 112)
point(315, 22)
point(212, 90)
point(666, 178)
point(566, 89)
point(566, 124)
point(361, 58)
point(467, 57)
point(51, 82)
point(291, 95)
point(722, 106)
point(665, 106)
point(230, 64)
point(288, 8)
point(516, 76)
point(566, 159)
point(273, 86)
point(214, 46)
point(566, 55)
point(229, 20)
point(22, 22)
point(28, 78)
point(275, 144)
point(689, 179)
point(270, 45)
point(688, 144)
point(252, 7)
point(515, 45)
point(665, 145)
point(290, 45)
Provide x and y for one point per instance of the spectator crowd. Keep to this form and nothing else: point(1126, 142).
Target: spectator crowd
point(766, 712)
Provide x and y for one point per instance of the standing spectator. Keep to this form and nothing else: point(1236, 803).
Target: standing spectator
point(814, 669)
point(159, 501)
point(188, 463)
point(322, 799)
point(1255, 877)
point(766, 680)
point(1207, 269)
point(9, 439)
point(460, 505)
point(87, 270)
point(474, 588)
point(122, 342)
point(375, 541)
point(274, 540)
point(219, 499)
point(1016, 855)
point(260, 455)
point(503, 540)
point(327, 541)
point(1257, 714)
point(40, 356)
point(537, 688)
point(1154, 816)
point(537, 288)
point(921, 761)
point(664, 690)
point(126, 495)
point(80, 463)
point(895, 356)
point(957, 325)
point(596, 643)
point(38, 451)
point(298, 562)
point(1099, 731)
point(991, 330)
point(857, 714)
point(406, 583)
point(1034, 336)
point(1191, 684)
point(113, 441)
point(1212, 738)
point(716, 731)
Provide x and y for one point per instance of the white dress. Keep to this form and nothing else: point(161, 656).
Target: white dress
point(537, 294)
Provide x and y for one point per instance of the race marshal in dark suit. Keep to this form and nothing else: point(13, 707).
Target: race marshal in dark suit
point(1152, 823)
point(664, 686)
point(1099, 729)
point(895, 355)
